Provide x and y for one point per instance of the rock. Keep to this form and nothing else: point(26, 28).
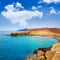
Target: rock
point(19, 33)
point(56, 47)
point(40, 57)
point(35, 57)
point(40, 52)
point(13, 34)
point(31, 58)
point(49, 55)
point(54, 53)
point(43, 49)
point(56, 56)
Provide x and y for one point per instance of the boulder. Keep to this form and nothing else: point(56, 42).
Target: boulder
point(56, 47)
point(53, 54)
point(56, 56)
point(31, 58)
point(49, 55)
point(40, 52)
point(40, 57)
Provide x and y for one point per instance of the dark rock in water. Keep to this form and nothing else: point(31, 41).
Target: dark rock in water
point(13, 34)
point(40, 54)
point(43, 49)
point(19, 33)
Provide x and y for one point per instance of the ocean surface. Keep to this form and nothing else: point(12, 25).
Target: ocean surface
point(19, 47)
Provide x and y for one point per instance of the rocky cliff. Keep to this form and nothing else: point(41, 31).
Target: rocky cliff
point(50, 54)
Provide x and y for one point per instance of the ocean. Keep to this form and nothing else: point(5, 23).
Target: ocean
point(19, 47)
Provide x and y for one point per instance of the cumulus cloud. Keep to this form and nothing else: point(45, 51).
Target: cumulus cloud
point(34, 8)
point(52, 11)
point(10, 7)
point(47, 1)
point(20, 16)
point(19, 5)
point(51, 1)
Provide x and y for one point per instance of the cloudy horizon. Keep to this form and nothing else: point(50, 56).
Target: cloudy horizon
point(18, 14)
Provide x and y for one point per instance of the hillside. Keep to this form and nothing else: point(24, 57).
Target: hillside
point(49, 32)
point(38, 31)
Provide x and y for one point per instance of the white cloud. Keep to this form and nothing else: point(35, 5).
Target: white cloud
point(10, 7)
point(19, 5)
point(52, 11)
point(51, 1)
point(47, 1)
point(18, 16)
point(34, 8)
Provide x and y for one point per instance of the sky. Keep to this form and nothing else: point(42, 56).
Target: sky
point(20, 14)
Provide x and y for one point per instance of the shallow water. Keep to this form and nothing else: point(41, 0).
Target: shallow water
point(18, 47)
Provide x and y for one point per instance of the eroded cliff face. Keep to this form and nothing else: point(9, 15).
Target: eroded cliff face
point(44, 32)
point(52, 54)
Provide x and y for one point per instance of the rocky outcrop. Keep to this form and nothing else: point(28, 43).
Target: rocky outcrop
point(54, 53)
point(19, 33)
point(40, 56)
point(56, 47)
point(56, 56)
point(50, 54)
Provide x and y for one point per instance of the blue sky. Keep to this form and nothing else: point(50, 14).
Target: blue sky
point(18, 14)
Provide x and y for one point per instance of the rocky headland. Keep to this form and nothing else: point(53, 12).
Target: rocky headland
point(48, 32)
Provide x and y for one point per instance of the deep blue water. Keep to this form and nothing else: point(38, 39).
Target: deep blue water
point(18, 47)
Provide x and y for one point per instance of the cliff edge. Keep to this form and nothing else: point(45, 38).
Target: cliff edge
point(51, 54)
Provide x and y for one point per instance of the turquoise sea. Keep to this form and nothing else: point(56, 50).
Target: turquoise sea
point(18, 47)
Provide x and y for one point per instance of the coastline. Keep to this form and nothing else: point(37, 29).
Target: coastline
point(47, 32)
point(41, 53)
point(48, 53)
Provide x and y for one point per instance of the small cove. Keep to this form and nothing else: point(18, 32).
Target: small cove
point(18, 47)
